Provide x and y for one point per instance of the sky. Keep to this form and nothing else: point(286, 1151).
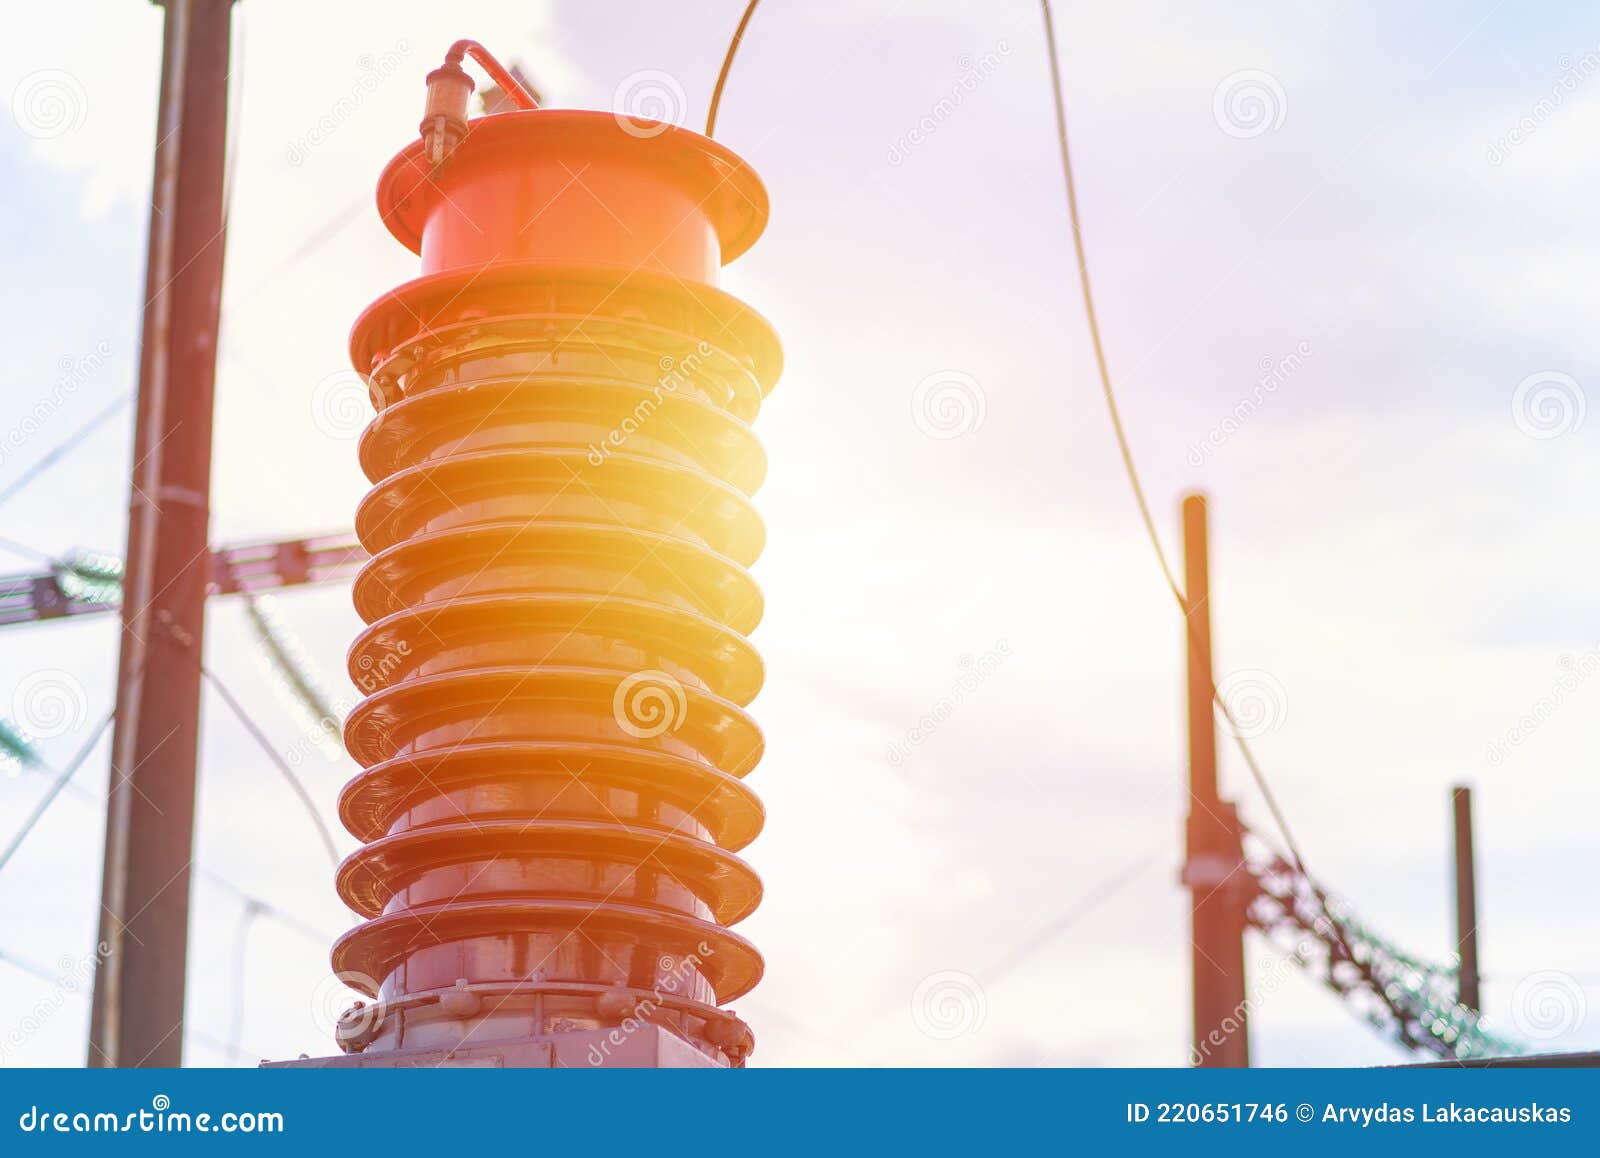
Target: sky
point(1339, 260)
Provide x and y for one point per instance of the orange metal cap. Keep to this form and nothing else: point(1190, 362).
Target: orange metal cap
point(568, 187)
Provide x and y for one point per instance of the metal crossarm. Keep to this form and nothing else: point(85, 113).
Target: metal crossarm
point(87, 584)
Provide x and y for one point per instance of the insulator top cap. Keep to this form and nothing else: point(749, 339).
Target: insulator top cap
point(573, 186)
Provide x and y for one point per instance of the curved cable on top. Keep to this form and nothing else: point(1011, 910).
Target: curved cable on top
point(727, 65)
point(1108, 392)
point(1122, 435)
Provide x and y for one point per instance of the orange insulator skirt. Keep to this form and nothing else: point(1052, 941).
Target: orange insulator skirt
point(554, 736)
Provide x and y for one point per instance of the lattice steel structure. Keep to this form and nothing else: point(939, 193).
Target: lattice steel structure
point(1404, 998)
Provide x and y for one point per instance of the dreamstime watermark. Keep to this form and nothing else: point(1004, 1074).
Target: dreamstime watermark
point(1549, 1004)
point(340, 1005)
point(674, 373)
point(342, 403)
point(1254, 703)
point(1262, 986)
point(321, 734)
point(1248, 103)
point(373, 71)
point(1572, 74)
point(1548, 404)
point(636, 1012)
point(1574, 672)
point(949, 404)
point(649, 102)
point(1272, 373)
point(160, 1118)
point(77, 975)
point(949, 1004)
point(373, 671)
point(49, 103)
point(973, 73)
point(74, 371)
point(974, 671)
point(47, 704)
point(648, 703)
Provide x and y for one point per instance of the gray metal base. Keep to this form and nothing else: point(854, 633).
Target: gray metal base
point(647, 1047)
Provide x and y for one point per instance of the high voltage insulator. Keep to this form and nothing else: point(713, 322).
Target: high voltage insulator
point(554, 735)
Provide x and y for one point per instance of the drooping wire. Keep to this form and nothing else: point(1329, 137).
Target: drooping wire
point(301, 684)
point(21, 749)
point(336, 225)
point(1256, 772)
point(28, 967)
point(1089, 310)
point(1080, 909)
point(55, 789)
point(1109, 393)
point(264, 907)
point(62, 448)
point(282, 765)
point(241, 960)
point(244, 718)
point(252, 906)
point(90, 577)
point(727, 65)
point(32, 969)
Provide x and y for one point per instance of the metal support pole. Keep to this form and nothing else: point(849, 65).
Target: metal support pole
point(137, 1016)
point(1213, 871)
point(1466, 899)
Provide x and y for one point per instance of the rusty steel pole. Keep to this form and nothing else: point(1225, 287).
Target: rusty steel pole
point(137, 1015)
point(1213, 869)
point(1466, 899)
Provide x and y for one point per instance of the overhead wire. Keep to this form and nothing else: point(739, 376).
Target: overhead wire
point(309, 697)
point(296, 785)
point(90, 577)
point(55, 789)
point(39, 972)
point(1126, 450)
point(1294, 856)
point(63, 780)
point(1119, 429)
point(727, 66)
point(1109, 394)
point(241, 945)
point(21, 749)
point(63, 448)
point(28, 967)
point(265, 907)
point(279, 657)
point(253, 906)
point(1080, 909)
point(316, 240)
